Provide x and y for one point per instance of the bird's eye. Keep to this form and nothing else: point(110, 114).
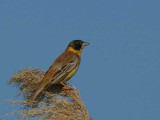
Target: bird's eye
point(78, 43)
point(77, 46)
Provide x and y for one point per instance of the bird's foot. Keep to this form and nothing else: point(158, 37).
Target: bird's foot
point(66, 87)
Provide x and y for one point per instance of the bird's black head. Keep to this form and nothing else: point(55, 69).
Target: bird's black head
point(77, 44)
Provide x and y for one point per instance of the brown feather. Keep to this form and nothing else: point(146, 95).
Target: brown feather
point(53, 75)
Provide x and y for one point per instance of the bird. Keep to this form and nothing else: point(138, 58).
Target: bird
point(63, 68)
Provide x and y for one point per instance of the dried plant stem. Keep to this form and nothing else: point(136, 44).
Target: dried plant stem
point(54, 103)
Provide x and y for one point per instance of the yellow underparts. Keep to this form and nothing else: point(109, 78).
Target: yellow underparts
point(78, 52)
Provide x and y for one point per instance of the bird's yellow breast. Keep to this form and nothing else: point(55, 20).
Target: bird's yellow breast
point(74, 70)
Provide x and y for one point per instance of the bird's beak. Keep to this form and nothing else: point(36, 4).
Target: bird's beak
point(85, 43)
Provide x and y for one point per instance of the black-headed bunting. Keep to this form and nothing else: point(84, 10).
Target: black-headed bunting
point(64, 67)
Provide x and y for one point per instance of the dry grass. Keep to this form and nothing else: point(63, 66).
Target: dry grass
point(53, 103)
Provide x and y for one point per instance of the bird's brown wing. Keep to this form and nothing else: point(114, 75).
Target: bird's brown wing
point(60, 70)
point(65, 68)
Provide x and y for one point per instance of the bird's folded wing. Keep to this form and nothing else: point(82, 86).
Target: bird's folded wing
point(64, 70)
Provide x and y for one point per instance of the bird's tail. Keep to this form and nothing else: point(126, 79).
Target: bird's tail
point(35, 94)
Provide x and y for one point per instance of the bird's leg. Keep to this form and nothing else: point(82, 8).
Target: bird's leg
point(66, 87)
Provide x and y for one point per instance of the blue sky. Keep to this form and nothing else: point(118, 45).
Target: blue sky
point(119, 73)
